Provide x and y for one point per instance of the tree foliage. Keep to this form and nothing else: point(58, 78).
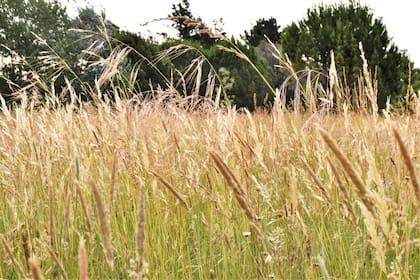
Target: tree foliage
point(263, 27)
point(245, 83)
point(182, 10)
point(21, 22)
point(193, 28)
point(340, 28)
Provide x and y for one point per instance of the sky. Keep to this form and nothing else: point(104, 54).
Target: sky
point(400, 17)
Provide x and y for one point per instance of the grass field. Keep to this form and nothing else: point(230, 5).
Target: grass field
point(163, 193)
point(155, 189)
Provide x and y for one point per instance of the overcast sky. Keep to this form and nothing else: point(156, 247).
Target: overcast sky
point(401, 17)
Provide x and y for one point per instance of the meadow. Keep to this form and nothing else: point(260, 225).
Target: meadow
point(160, 189)
point(159, 192)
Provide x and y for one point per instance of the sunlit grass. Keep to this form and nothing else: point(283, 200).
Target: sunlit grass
point(194, 224)
point(174, 187)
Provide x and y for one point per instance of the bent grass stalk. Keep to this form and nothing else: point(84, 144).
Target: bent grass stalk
point(348, 168)
point(172, 190)
point(85, 209)
point(317, 182)
point(240, 194)
point(12, 257)
point(57, 261)
point(104, 226)
point(410, 165)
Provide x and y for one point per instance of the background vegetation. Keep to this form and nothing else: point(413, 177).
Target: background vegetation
point(30, 30)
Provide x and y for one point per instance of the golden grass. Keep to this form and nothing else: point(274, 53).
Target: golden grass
point(35, 269)
point(104, 225)
point(322, 198)
point(408, 161)
point(83, 261)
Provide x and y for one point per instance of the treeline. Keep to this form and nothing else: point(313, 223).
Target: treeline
point(44, 50)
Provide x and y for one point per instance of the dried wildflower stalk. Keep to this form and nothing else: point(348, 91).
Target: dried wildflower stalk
point(83, 262)
point(239, 192)
point(35, 269)
point(410, 165)
point(104, 226)
point(141, 217)
point(25, 246)
point(362, 191)
point(172, 190)
point(12, 257)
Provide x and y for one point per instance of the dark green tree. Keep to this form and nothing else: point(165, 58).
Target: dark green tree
point(151, 73)
point(340, 28)
point(181, 12)
point(244, 82)
point(193, 28)
point(263, 27)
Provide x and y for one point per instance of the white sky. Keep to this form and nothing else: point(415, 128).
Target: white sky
point(400, 17)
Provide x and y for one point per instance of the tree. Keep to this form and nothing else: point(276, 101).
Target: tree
point(181, 12)
point(192, 28)
point(40, 44)
point(150, 72)
point(340, 28)
point(263, 27)
point(244, 82)
point(19, 22)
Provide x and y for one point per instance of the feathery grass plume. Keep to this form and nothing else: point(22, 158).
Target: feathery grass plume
point(83, 260)
point(25, 246)
point(335, 88)
point(172, 190)
point(66, 221)
point(410, 165)
point(57, 261)
point(371, 91)
point(342, 188)
point(104, 226)
point(240, 54)
point(51, 208)
point(376, 240)
point(323, 267)
point(112, 185)
point(141, 218)
point(363, 192)
point(84, 208)
point(316, 180)
point(240, 194)
point(199, 25)
point(12, 257)
point(34, 265)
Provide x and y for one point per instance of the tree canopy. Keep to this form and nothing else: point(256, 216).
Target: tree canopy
point(21, 22)
point(340, 28)
point(263, 28)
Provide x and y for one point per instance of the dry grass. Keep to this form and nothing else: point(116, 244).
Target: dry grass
point(289, 183)
point(280, 194)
